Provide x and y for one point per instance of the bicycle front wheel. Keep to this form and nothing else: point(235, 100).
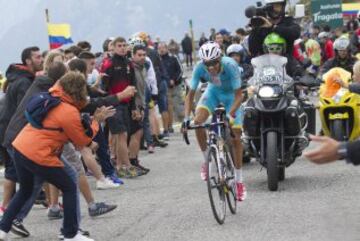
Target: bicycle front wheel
point(216, 187)
point(230, 180)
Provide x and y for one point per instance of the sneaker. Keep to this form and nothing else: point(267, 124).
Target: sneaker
point(106, 184)
point(146, 170)
point(83, 232)
point(204, 172)
point(240, 191)
point(53, 215)
point(4, 236)
point(130, 172)
point(101, 208)
point(160, 143)
point(139, 171)
point(151, 149)
point(115, 179)
point(18, 228)
point(79, 237)
point(166, 136)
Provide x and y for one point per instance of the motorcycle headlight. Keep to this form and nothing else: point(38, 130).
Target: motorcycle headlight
point(267, 92)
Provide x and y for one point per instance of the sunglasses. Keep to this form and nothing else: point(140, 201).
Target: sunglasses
point(211, 63)
point(275, 48)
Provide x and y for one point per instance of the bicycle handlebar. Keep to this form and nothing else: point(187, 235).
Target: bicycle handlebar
point(201, 126)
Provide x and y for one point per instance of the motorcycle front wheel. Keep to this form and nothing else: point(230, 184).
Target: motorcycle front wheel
point(272, 161)
point(337, 130)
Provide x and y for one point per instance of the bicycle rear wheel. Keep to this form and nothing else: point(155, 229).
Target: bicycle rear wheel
point(230, 180)
point(216, 188)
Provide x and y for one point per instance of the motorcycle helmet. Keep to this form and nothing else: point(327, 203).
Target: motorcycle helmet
point(209, 51)
point(234, 49)
point(342, 43)
point(275, 44)
point(270, 8)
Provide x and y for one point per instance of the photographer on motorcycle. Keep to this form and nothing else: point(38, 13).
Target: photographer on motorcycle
point(274, 21)
point(342, 59)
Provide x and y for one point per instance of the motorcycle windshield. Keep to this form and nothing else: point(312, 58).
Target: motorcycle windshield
point(269, 69)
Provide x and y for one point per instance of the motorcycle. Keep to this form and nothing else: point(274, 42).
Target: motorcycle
point(338, 107)
point(275, 122)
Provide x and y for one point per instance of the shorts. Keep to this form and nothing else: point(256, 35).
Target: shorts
point(162, 97)
point(10, 170)
point(120, 122)
point(135, 126)
point(72, 157)
point(211, 98)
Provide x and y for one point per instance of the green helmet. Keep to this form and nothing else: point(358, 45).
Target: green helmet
point(274, 39)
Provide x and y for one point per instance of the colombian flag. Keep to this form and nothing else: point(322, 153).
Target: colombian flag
point(59, 34)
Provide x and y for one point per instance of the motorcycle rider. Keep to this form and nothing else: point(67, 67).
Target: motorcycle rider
point(275, 44)
point(275, 22)
point(342, 59)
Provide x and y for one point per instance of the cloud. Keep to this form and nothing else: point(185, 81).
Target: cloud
point(136, 17)
point(174, 20)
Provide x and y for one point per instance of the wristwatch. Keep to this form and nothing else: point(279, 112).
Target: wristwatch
point(342, 150)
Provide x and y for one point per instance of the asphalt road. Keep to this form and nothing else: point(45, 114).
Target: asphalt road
point(171, 203)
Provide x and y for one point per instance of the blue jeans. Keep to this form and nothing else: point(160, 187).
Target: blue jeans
point(103, 153)
point(26, 171)
point(74, 177)
point(38, 183)
point(146, 122)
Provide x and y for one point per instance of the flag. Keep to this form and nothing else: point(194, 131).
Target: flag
point(59, 34)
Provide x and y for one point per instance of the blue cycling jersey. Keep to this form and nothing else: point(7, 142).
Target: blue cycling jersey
point(228, 80)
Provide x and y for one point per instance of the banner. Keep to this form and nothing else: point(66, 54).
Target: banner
point(327, 12)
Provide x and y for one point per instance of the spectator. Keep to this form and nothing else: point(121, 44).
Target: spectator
point(326, 44)
point(32, 156)
point(315, 31)
point(69, 55)
point(241, 34)
point(212, 34)
point(174, 69)
point(19, 79)
point(119, 74)
point(84, 45)
point(202, 39)
point(187, 48)
point(174, 48)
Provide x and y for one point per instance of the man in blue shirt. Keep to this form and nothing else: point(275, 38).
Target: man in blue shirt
point(224, 87)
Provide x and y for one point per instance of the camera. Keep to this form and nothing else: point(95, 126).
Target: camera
point(255, 12)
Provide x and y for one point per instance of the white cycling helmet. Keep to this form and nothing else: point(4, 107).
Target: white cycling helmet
point(234, 49)
point(209, 51)
point(341, 43)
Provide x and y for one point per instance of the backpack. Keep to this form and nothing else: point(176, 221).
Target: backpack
point(38, 107)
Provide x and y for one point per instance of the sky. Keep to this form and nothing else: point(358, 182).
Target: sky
point(22, 22)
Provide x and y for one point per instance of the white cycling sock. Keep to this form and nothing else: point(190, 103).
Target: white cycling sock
point(238, 175)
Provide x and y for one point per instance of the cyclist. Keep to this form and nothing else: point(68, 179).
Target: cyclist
point(224, 86)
